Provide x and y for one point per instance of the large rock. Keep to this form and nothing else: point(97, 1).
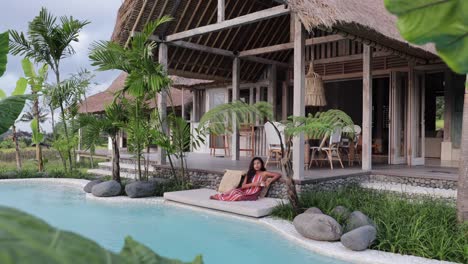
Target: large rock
point(341, 212)
point(317, 226)
point(313, 210)
point(360, 238)
point(140, 189)
point(357, 219)
point(107, 189)
point(89, 186)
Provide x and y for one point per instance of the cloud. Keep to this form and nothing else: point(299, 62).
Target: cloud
point(100, 13)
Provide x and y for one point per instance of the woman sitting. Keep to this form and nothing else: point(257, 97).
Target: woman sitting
point(257, 178)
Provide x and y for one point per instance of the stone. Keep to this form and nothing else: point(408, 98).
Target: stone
point(357, 219)
point(360, 238)
point(341, 212)
point(317, 226)
point(89, 186)
point(107, 189)
point(313, 210)
point(139, 189)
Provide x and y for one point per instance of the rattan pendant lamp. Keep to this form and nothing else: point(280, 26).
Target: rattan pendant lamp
point(315, 92)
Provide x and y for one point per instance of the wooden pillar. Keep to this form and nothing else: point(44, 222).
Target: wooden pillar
point(367, 109)
point(182, 111)
point(258, 98)
point(299, 93)
point(446, 146)
point(284, 101)
point(221, 10)
point(235, 96)
point(272, 74)
point(462, 190)
point(251, 102)
point(196, 105)
point(162, 100)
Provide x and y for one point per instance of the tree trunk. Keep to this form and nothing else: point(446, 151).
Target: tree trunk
point(462, 197)
point(115, 160)
point(64, 120)
point(289, 173)
point(40, 162)
point(17, 151)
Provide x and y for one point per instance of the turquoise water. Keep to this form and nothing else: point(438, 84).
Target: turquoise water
point(170, 231)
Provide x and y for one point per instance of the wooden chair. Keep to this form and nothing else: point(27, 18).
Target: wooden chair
point(223, 146)
point(247, 131)
point(273, 143)
point(332, 151)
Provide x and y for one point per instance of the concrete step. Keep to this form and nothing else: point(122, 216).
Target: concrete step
point(124, 167)
point(105, 172)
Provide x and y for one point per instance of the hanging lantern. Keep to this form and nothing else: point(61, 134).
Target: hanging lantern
point(315, 92)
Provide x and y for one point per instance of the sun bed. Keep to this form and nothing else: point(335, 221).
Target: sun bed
point(201, 198)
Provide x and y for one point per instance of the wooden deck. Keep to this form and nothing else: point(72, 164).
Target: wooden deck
point(434, 170)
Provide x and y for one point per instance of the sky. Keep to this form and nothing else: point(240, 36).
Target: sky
point(102, 15)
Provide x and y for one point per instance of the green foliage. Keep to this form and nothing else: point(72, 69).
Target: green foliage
point(444, 23)
point(35, 80)
point(3, 52)
point(421, 226)
point(37, 137)
point(7, 144)
point(10, 108)
point(27, 239)
point(21, 86)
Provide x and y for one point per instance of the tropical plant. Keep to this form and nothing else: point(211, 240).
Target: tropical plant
point(110, 123)
point(445, 24)
point(36, 82)
point(146, 79)
point(20, 89)
point(218, 121)
point(31, 240)
point(49, 41)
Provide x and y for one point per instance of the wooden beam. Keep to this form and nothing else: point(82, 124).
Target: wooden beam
point(377, 54)
point(266, 61)
point(299, 94)
point(272, 76)
point(290, 45)
point(162, 101)
point(221, 10)
point(193, 75)
point(235, 96)
point(202, 48)
point(284, 101)
point(367, 109)
point(235, 22)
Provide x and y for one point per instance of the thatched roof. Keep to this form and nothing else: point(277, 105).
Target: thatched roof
point(97, 103)
point(366, 19)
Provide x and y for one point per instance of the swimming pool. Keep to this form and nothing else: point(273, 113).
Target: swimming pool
point(170, 231)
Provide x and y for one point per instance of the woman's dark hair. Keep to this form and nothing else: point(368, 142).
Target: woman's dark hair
point(251, 172)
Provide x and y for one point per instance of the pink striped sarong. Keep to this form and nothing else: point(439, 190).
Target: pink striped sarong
point(250, 194)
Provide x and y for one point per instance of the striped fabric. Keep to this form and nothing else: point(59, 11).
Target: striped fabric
point(249, 194)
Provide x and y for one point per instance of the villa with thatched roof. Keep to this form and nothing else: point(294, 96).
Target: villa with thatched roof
point(405, 100)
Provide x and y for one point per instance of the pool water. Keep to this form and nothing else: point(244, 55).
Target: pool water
point(170, 231)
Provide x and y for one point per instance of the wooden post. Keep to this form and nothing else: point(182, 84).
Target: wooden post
point(195, 106)
point(162, 100)
point(235, 96)
point(221, 10)
point(367, 109)
point(182, 111)
point(462, 197)
point(258, 98)
point(446, 146)
point(272, 73)
point(284, 101)
point(299, 93)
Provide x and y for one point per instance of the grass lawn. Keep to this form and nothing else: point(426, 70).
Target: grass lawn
point(423, 227)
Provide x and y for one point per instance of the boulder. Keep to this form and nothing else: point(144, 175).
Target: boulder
point(140, 189)
point(357, 219)
point(313, 210)
point(341, 212)
point(317, 226)
point(360, 238)
point(107, 189)
point(89, 186)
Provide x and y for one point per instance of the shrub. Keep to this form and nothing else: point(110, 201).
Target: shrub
point(421, 226)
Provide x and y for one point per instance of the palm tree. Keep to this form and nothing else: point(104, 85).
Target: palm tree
point(145, 79)
point(217, 121)
point(49, 42)
point(93, 127)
